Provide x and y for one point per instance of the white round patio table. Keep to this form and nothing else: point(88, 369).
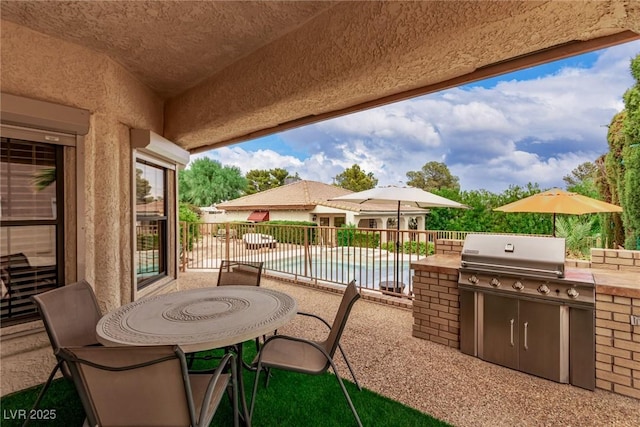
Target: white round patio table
point(198, 319)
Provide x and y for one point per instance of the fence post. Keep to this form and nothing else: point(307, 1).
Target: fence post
point(307, 258)
point(183, 252)
point(226, 241)
point(435, 243)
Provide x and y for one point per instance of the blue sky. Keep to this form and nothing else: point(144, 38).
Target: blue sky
point(534, 125)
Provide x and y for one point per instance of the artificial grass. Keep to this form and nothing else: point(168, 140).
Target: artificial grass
point(292, 399)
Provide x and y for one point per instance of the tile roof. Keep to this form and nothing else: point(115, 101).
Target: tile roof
point(305, 195)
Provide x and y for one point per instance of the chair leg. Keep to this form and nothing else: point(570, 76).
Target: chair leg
point(234, 385)
point(255, 389)
point(346, 394)
point(353, 374)
point(43, 391)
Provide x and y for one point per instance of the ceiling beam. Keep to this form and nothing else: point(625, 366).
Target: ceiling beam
point(522, 62)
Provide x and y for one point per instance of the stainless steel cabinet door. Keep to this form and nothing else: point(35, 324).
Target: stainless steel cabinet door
point(542, 340)
point(500, 332)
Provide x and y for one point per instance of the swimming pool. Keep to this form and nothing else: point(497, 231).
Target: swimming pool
point(368, 272)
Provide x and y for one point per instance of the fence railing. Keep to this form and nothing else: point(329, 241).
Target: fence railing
point(328, 254)
point(317, 253)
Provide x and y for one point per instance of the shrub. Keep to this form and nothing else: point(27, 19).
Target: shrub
point(348, 235)
point(190, 215)
point(415, 248)
point(294, 232)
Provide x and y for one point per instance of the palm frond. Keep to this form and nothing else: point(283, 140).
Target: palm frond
point(44, 178)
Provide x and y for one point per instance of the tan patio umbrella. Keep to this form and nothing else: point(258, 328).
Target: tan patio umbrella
point(557, 201)
point(408, 196)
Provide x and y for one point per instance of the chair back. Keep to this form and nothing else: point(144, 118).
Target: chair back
point(349, 297)
point(132, 386)
point(246, 273)
point(70, 315)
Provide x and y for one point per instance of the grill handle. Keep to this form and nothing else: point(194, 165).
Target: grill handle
point(511, 267)
point(511, 322)
point(526, 326)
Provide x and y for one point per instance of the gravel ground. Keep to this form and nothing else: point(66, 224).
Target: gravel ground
point(438, 380)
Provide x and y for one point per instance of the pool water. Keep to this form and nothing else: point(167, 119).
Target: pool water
point(369, 276)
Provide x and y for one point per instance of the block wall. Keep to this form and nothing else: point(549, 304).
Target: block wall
point(449, 247)
point(615, 259)
point(618, 342)
point(436, 306)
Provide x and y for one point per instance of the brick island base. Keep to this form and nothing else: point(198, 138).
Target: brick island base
point(436, 314)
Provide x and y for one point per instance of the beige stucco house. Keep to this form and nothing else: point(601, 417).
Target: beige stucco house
point(311, 201)
point(102, 102)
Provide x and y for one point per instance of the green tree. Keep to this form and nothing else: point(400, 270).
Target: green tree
point(611, 229)
point(611, 176)
point(189, 215)
point(262, 179)
point(582, 180)
point(143, 188)
point(355, 179)
point(206, 182)
point(631, 160)
point(433, 176)
point(576, 230)
point(481, 217)
point(622, 162)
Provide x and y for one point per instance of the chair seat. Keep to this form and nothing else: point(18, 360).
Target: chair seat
point(294, 355)
point(199, 384)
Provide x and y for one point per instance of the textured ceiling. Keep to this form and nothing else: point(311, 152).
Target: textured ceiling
point(234, 70)
point(169, 45)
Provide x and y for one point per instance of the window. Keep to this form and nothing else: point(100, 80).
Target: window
point(155, 185)
point(151, 223)
point(339, 221)
point(31, 225)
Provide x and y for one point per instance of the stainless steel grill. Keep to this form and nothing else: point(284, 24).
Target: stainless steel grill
point(525, 255)
point(522, 309)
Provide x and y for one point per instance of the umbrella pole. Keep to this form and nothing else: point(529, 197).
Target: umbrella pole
point(397, 251)
point(554, 224)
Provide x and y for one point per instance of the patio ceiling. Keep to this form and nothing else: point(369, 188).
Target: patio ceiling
point(232, 71)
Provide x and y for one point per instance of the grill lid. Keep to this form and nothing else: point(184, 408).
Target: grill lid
point(521, 255)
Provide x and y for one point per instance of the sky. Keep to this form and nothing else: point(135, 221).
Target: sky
point(532, 126)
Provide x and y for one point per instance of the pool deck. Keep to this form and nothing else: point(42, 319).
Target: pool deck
point(438, 380)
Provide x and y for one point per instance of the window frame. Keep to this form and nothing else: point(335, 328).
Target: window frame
point(160, 152)
point(163, 232)
point(58, 223)
point(35, 120)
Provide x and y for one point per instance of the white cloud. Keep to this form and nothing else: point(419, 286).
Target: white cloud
point(518, 131)
point(249, 160)
point(520, 168)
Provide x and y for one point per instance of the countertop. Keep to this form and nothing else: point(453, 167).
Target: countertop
point(613, 282)
point(617, 283)
point(438, 262)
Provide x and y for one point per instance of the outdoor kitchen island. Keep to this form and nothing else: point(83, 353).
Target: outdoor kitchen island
point(437, 315)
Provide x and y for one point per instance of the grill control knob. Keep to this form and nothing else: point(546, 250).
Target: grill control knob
point(573, 293)
point(495, 282)
point(518, 286)
point(473, 279)
point(543, 289)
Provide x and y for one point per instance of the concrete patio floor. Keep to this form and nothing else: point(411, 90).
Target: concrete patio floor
point(437, 380)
